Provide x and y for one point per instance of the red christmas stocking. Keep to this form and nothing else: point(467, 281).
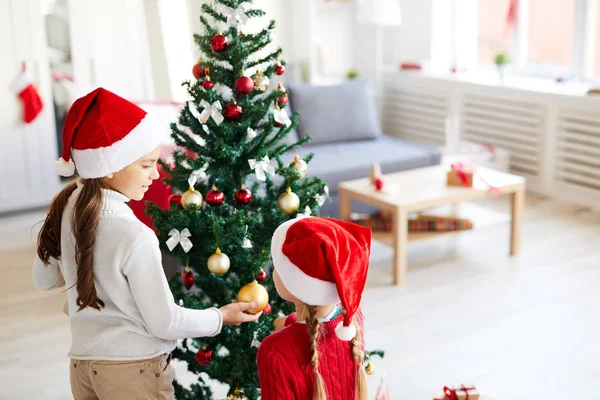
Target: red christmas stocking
point(30, 97)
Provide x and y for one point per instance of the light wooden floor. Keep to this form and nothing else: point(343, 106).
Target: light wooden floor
point(519, 328)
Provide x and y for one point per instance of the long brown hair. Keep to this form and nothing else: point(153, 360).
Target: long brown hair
point(84, 224)
point(319, 391)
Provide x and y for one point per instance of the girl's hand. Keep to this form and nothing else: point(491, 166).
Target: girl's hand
point(235, 313)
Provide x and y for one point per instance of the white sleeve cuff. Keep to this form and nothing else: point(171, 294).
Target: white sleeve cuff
point(220, 316)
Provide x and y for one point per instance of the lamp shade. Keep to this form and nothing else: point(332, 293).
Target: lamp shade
point(379, 12)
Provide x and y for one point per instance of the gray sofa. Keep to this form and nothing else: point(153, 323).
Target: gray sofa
point(347, 139)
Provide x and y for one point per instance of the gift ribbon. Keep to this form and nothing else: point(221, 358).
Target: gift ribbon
point(182, 238)
point(261, 167)
point(281, 117)
point(461, 170)
point(320, 198)
point(210, 110)
point(451, 393)
point(235, 15)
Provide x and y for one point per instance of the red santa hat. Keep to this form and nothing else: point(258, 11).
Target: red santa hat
point(324, 261)
point(105, 133)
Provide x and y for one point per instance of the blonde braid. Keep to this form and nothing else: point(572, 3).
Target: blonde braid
point(361, 381)
point(312, 323)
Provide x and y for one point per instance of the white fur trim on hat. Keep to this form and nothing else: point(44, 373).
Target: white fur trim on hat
point(346, 333)
point(96, 163)
point(65, 168)
point(310, 290)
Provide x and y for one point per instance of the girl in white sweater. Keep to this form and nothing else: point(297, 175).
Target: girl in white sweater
point(124, 320)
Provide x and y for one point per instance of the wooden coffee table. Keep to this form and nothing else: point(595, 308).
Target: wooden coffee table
point(424, 188)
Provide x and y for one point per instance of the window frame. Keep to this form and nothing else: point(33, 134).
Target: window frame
point(583, 53)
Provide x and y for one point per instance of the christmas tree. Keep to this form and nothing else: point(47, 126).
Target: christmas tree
point(231, 134)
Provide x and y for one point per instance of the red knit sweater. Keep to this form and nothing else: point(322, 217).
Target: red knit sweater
point(284, 367)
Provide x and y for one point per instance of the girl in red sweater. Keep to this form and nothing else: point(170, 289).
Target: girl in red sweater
point(320, 264)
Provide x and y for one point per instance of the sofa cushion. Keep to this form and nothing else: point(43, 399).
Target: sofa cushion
point(337, 113)
point(338, 162)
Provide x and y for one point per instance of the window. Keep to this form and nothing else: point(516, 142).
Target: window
point(596, 42)
point(493, 32)
point(548, 38)
point(550, 32)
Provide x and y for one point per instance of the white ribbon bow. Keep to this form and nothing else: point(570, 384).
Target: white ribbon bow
point(198, 175)
point(307, 211)
point(247, 244)
point(255, 342)
point(180, 238)
point(282, 117)
point(262, 166)
point(210, 110)
point(233, 16)
point(251, 133)
point(320, 198)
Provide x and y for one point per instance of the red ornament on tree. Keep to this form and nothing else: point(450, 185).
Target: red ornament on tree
point(233, 111)
point(243, 196)
point(207, 83)
point(268, 309)
point(283, 99)
point(187, 278)
point(219, 43)
point(204, 356)
point(379, 184)
point(262, 275)
point(279, 69)
point(215, 197)
point(244, 85)
point(197, 71)
point(175, 199)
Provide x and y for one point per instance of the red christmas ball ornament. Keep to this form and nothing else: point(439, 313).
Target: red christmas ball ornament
point(243, 196)
point(379, 184)
point(175, 199)
point(197, 71)
point(207, 83)
point(215, 197)
point(187, 278)
point(244, 85)
point(262, 275)
point(219, 43)
point(233, 111)
point(279, 69)
point(204, 356)
point(283, 99)
point(268, 309)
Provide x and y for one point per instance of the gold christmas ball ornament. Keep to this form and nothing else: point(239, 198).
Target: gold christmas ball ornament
point(300, 165)
point(261, 82)
point(254, 292)
point(218, 263)
point(237, 395)
point(288, 202)
point(370, 369)
point(192, 199)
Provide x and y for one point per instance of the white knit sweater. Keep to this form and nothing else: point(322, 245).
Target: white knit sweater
point(140, 319)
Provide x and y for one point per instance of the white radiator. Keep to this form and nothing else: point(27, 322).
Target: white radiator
point(553, 138)
point(514, 125)
point(416, 113)
point(577, 167)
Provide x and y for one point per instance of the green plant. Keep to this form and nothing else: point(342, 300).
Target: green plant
point(351, 74)
point(501, 59)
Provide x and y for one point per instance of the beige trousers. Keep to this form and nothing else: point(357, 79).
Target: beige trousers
point(123, 380)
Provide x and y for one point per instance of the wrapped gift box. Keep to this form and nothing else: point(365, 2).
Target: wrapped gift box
point(460, 177)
